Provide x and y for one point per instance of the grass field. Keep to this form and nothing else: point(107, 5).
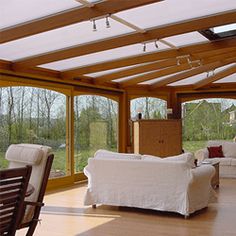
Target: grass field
point(59, 163)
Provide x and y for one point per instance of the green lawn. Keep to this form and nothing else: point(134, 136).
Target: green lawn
point(193, 146)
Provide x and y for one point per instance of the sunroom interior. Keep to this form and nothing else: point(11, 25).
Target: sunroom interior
point(75, 73)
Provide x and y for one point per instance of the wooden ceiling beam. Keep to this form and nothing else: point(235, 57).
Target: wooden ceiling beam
point(187, 74)
point(220, 75)
point(216, 52)
point(67, 18)
point(40, 77)
point(150, 57)
point(125, 40)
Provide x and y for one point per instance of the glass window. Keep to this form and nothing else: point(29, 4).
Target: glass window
point(149, 107)
point(96, 123)
point(32, 115)
point(207, 119)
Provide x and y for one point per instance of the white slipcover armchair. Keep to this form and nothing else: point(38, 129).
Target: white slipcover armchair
point(148, 183)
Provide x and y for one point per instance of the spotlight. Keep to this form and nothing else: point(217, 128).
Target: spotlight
point(94, 26)
point(107, 22)
point(156, 45)
point(144, 47)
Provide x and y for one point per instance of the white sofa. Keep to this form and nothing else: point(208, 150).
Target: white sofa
point(169, 184)
point(227, 163)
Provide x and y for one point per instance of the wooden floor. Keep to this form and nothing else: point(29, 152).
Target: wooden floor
point(65, 215)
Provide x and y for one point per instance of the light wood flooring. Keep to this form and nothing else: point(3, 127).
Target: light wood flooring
point(65, 215)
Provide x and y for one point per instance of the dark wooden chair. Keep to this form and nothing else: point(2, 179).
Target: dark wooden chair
point(13, 186)
point(39, 203)
point(41, 160)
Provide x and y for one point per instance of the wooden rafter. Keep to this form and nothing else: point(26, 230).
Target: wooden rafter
point(229, 71)
point(69, 17)
point(190, 73)
point(125, 40)
point(159, 55)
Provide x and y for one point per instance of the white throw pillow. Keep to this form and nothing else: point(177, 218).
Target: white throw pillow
point(151, 158)
point(185, 157)
point(104, 154)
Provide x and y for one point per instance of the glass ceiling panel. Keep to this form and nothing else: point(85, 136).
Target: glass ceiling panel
point(64, 37)
point(191, 80)
point(18, 11)
point(103, 56)
point(227, 79)
point(130, 77)
point(224, 28)
point(170, 11)
point(186, 39)
point(106, 72)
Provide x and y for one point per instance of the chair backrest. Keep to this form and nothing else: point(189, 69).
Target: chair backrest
point(40, 158)
point(13, 186)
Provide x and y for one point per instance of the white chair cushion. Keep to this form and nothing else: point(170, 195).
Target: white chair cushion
point(104, 154)
point(185, 157)
point(26, 155)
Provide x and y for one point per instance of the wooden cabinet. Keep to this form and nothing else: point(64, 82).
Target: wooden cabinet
point(157, 137)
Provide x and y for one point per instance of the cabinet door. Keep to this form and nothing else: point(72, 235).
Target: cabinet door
point(172, 138)
point(150, 139)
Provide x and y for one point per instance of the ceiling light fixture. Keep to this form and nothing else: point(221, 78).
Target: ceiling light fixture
point(107, 22)
point(94, 26)
point(156, 45)
point(150, 41)
point(144, 47)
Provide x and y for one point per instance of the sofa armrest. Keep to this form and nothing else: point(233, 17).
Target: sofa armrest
point(203, 173)
point(201, 154)
point(200, 191)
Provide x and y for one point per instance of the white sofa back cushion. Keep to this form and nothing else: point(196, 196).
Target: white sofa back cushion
point(229, 149)
point(104, 154)
point(151, 158)
point(185, 157)
point(27, 155)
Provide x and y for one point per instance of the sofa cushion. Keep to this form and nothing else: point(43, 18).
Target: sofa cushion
point(233, 162)
point(215, 151)
point(24, 154)
point(185, 157)
point(229, 149)
point(151, 158)
point(223, 161)
point(104, 154)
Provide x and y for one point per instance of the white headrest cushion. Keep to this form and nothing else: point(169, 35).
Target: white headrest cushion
point(24, 154)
